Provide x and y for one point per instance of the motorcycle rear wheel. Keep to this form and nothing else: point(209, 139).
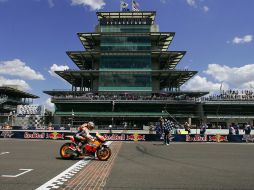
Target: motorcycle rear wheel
point(65, 151)
point(104, 153)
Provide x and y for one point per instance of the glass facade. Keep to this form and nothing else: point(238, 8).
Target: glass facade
point(126, 62)
point(116, 60)
point(125, 43)
point(124, 82)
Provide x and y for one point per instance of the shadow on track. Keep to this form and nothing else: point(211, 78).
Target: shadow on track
point(143, 150)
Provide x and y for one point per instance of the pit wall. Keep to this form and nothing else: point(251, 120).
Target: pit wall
point(61, 135)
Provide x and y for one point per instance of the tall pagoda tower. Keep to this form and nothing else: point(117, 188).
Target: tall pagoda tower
point(126, 76)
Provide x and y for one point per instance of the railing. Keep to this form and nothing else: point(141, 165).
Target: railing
point(72, 128)
point(120, 98)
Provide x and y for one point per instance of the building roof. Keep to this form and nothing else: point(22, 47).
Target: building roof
point(159, 40)
point(168, 78)
point(167, 59)
point(127, 15)
point(15, 92)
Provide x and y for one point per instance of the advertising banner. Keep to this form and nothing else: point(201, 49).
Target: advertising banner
point(61, 135)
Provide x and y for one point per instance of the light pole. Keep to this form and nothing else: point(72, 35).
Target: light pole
point(113, 109)
point(217, 111)
point(110, 129)
point(72, 117)
point(12, 114)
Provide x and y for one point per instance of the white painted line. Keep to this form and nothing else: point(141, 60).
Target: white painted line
point(2, 153)
point(65, 175)
point(22, 173)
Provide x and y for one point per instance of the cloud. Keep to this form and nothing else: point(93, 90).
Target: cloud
point(206, 8)
point(50, 106)
point(20, 84)
point(197, 4)
point(236, 77)
point(192, 3)
point(199, 83)
point(222, 77)
point(51, 3)
point(163, 1)
point(93, 4)
point(18, 68)
point(242, 40)
point(56, 67)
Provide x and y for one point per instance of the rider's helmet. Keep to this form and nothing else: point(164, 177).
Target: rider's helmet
point(91, 125)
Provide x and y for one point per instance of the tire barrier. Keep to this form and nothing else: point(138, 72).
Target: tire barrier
point(60, 135)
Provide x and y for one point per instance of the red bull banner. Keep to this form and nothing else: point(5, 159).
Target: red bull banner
point(55, 136)
point(34, 135)
point(125, 137)
point(196, 138)
point(218, 138)
point(60, 135)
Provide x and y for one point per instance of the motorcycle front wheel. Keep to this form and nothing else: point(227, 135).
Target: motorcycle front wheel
point(103, 153)
point(66, 152)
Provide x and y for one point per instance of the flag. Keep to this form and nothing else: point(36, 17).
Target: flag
point(124, 6)
point(135, 6)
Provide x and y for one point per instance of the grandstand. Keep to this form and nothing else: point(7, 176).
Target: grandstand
point(10, 97)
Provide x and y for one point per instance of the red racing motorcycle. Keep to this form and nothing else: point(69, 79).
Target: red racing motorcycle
point(98, 146)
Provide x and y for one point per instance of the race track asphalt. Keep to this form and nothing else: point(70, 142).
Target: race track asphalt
point(41, 156)
point(151, 165)
point(137, 165)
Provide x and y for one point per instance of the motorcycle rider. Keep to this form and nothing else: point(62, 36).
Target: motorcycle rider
point(83, 135)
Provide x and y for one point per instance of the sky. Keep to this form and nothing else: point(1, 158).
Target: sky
point(217, 35)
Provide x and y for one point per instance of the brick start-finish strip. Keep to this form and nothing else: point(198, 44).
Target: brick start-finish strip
point(94, 175)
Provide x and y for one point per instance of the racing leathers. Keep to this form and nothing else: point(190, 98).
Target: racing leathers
point(82, 137)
